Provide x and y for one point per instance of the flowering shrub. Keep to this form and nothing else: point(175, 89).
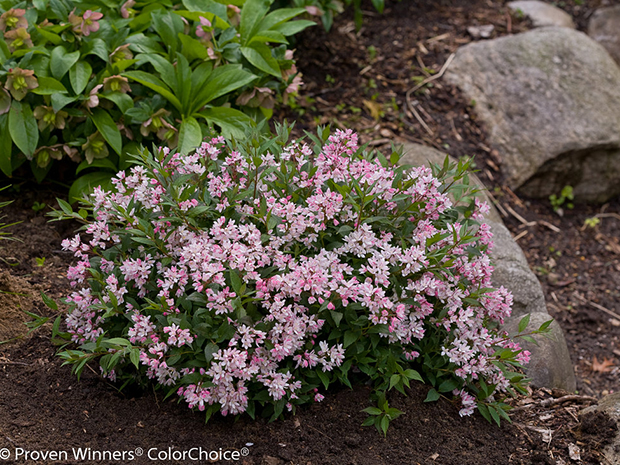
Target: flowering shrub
point(92, 84)
point(255, 275)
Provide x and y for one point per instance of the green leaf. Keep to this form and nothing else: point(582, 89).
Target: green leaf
point(412, 374)
point(50, 36)
point(190, 135)
point(6, 146)
point(163, 67)
point(143, 44)
point(372, 411)
point(293, 27)
point(269, 36)
point(59, 101)
point(260, 56)
point(85, 185)
point(324, 377)
point(337, 316)
point(279, 16)
point(23, 128)
point(210, 6)
point(123, 101)
point(210, 349)
point(394, 380)
point(79, 75)
point(252, 13)
point(153, 83)
point(134, 356)
point(494, 414)
point(168, 26)
point(61, 61)
point(524, 322)
point(379, 5)
point(5, 53)
point(49, 302)
point(232, 122)
point(193, 49)
point(484, 411)
point(106, 126)
point(222, 80)
point(96, 47)
point(432, 396)
point(49, 86)
point(447, 386)
point(97, 163)
point(349, 338)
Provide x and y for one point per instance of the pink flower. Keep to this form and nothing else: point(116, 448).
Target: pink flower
point(126, 9)
point(89, 22)
point(13, 19)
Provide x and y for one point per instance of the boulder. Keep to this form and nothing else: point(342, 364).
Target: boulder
point(542, 14)
point(550, 364)
point(604, 27)
point(550, 101)
point(609, 406)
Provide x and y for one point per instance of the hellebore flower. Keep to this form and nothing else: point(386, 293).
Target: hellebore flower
point(204, 30)
point(116, 84)
point(126, 10)
point(48, 117)
point(156, 123)
point(20, 81)
point(234, 14)
point(257, 97)
point(93, 98)
point(43, 155)
point(89, 22)
point(13, 19)
point(95, 147)
point(18, 38)
point(121, 53)
point(76, 21)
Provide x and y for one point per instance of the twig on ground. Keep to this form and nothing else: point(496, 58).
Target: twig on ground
point(498, 205)
point(557, 400)
point(520, 235)
point(519, 217)
point(550, 226)
point(607, 215)
point(597, 306)
point(419, 118)
point(431, 78)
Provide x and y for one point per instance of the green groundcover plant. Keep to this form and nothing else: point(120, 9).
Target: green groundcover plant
point(251, 277)
point(91, 81)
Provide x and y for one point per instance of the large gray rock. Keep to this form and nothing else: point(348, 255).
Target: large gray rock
point(609, 405)
point(542, 14)
point(550, 364)
point(550, 100)
point(604, 27)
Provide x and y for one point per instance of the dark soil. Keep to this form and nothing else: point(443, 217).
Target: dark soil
point(356, 80)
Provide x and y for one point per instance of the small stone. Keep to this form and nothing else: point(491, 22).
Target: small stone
point(481, 32)
point(604, 27)
point(542, 14)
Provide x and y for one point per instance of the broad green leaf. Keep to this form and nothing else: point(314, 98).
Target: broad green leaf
point(97, 163)
point(432, 396)
point(23, 128)
point(252, 13)
point(210, 6)
point(49, 86)
point(96, 47)
point(199, 77)
point(60, 100)
point(106, 126)
point(190, 135)
point(154, 83)
point(232, 122)
point(372, 411)
point(163, 67)
point(268, 36)
point(447, 386)
point(142, 44)
point(168, 26)
point(49, 302)
point(260, 56)
point(379, 5)
point(48, 35)
point(184, 82)
point(79, 75)
point(123, 101)
point(5, 53)
point(279, 16)
point(61, 61)
point(84, 185)
point(524, 322)
point(349, 338)
point(6, 146)
point(293, 27)
point(193, 49)
point(222, 80)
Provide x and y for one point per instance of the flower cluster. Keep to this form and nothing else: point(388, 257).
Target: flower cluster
point(244, 275)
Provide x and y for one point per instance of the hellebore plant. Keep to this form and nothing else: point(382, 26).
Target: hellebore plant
point(246, 276)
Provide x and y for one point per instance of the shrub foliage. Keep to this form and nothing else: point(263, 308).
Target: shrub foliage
point(249, 277)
